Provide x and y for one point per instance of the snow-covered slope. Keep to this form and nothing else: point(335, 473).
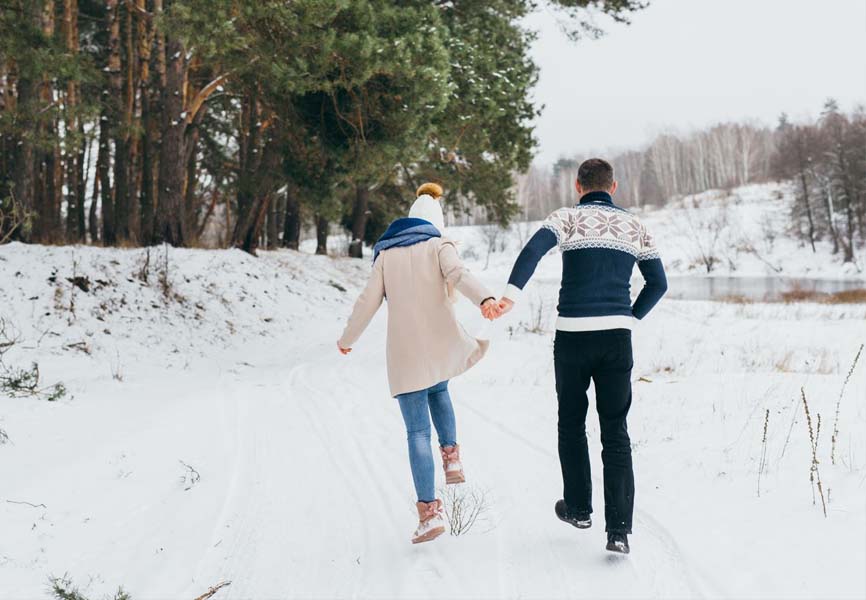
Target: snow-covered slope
point(744, 232)
point(226, 363)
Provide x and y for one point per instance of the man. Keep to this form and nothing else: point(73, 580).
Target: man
point(600, 244)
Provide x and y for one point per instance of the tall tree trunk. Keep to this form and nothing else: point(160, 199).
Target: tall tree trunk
point(152, 84)
point(83, 162)
point(148, 178)
point(249, 155)
point(52, 190)
point(24, 160)
point(189, 193)
point(6, 100)
point(120, 118)
point(92, 218)
point(47, 223)
point(103, 172)
point(292, 224)
point(321, 235)
point(359, 220)
point(172, 167)
point(73, 140)
point(226, 241)
point(831, 217)
point(805, 186)
point(132, 109)
point(273, 223)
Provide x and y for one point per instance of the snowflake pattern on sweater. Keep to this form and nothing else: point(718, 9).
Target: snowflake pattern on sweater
point(601, 226)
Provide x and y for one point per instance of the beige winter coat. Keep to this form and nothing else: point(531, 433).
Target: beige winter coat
point(426, 344)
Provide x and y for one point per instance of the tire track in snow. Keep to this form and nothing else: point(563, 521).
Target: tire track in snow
point(419, 561)
point(233, 424)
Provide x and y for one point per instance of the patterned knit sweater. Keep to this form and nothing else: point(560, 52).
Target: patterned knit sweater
point(600, 244)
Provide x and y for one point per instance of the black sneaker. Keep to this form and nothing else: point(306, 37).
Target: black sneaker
point(581, 520)
point(617, 542)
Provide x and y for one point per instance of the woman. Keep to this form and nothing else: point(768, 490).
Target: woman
point(418, 270)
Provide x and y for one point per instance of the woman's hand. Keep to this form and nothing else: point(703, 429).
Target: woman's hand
point(490, 309)
point(343, 351)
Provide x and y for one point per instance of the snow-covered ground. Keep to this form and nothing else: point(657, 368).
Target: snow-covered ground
point(226, 363)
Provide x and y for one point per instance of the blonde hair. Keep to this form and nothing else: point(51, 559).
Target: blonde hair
point(430, 188)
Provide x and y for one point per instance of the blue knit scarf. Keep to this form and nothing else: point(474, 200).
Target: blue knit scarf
point(405, 232)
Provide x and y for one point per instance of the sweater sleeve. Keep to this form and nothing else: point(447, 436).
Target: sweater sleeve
point(365, 306)
point(655, 281)
point(459, 276)
point(538, 245)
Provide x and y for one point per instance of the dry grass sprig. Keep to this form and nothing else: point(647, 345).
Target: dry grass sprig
point(814, 473)
point(763, 450)
point(835, 435)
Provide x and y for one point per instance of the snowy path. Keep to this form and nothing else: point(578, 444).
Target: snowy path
point(315, 448)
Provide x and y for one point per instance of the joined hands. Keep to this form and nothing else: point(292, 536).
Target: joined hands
point(492, 309)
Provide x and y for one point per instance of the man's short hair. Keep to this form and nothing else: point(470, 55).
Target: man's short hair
point(595, 175)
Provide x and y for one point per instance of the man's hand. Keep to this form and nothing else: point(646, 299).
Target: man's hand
point(343, 351)
point(490, 309)
point(504, 305)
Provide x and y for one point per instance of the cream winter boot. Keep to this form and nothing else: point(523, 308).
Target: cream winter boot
point(430, 522)
point(451, 464)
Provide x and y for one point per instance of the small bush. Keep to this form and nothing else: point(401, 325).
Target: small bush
point(23, 383)
point(465, 506)
point(62, 588)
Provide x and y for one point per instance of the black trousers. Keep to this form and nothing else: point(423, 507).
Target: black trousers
point(605, 357)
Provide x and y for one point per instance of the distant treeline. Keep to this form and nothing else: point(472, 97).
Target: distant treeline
point(824, 159)
point(134, 122)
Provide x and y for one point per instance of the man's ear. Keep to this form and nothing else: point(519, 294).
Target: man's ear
point(613, 187)
point(577, 187)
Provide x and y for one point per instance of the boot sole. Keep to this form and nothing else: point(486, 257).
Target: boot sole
point(576, 525)
point(454, 478)
point(617, 549)
point(581, 525)
point(429, 536)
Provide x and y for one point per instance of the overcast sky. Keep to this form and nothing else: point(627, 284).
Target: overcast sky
point(690, 63)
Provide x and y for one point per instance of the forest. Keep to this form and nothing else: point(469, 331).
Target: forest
point(138, 122)
point(824, 160)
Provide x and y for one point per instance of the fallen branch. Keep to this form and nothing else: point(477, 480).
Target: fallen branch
point(213, 590)
point(27, 503)
point(191, 477)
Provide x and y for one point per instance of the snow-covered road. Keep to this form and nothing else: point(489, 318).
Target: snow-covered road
point(319, 502)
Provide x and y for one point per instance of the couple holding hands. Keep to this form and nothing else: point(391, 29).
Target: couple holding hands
point(418, 270)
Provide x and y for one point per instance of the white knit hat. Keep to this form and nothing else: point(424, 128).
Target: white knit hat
point(428, 208)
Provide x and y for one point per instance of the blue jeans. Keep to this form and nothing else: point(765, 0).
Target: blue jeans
point(417, 408)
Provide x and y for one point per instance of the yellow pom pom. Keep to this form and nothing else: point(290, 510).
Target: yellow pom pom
point(430, 188)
